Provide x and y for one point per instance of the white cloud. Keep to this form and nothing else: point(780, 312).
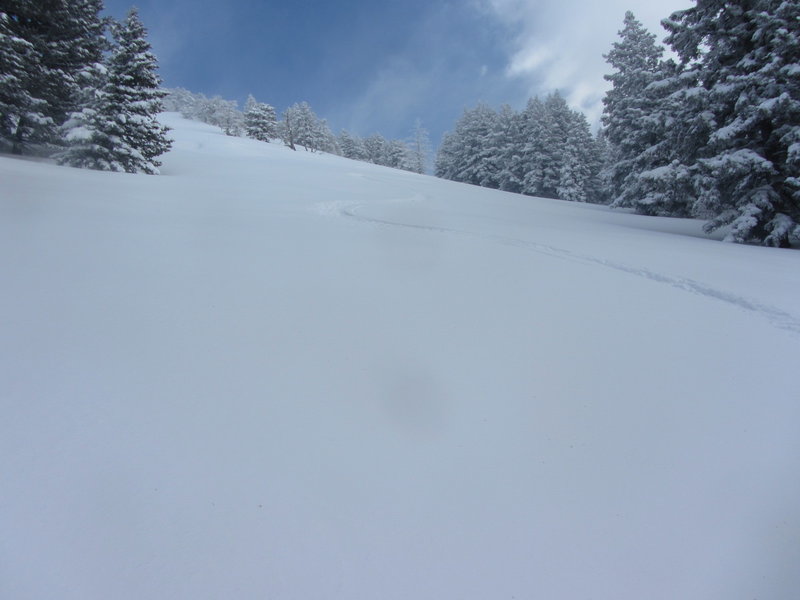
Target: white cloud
point(559, 44)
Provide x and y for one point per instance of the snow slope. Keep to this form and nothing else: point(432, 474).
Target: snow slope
point(268, 374)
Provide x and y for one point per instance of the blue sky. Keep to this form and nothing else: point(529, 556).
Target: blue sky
point(371, 66)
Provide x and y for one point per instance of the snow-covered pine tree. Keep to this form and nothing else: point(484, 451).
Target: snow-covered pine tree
point(325, 140)
point(467, 154)
point(20, 111)
point(288, 127)
point(579, 168)
point(675, 126)
point(376, 149)
point(746, 55)
point(446, 162)
point(260, 122)
point(534, 151)
point(94, 134)
point(558, 123)
point(55, 40)
point(547, 150)
point(510, 143)
point(298, 127)
point(399, 156)
point(307, 130)
point(219, 112)
point(133, 77)
point(635, 59)
point(351, 146)
point(420, 147)
point(117, 129)
point(180, 100)
point(603, 160)
point(249, 105)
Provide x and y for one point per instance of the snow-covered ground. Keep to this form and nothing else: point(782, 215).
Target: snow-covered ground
point(278, 375)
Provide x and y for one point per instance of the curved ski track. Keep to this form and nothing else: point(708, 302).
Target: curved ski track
point(777, 317)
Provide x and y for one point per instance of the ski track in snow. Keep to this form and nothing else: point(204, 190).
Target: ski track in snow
point(777, 317)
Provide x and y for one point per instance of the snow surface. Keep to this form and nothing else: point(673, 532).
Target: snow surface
point(269, 374)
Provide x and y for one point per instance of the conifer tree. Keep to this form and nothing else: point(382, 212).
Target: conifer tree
point(558, 124)
point(117, 128)
point(326, 141)
point(351, 146)
point(509, 143)
point(19, 65)
point(660, 181)
point(547, 150)
point(54, 42)
point(260, 122)
point(420, 147)
point(579, 166)
point(466, 153)
point(302, 126)
point(375, 148)
point(745, 57)
point(635, 59)
point(180, 100)
point(298, 126)
point(534, 152)
point(221, 113)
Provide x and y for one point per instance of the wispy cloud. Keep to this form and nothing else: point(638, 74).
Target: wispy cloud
point(453, 58)
point(559, 45)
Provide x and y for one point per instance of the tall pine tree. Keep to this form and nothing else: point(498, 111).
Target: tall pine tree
point(260, 122)
point(635, 59)
point(746, 58)
point(117, 128)
point(56, 43)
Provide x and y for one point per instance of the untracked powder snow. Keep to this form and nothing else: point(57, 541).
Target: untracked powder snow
point(267, 374)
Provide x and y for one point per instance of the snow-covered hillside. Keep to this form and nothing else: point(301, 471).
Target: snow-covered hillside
point(269, 374)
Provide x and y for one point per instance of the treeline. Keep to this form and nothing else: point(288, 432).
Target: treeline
point(546, 150)
point(79, 87)
point(300, 126)
point(714, 134)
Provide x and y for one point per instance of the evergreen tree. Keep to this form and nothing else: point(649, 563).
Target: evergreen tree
point(635, 59)
point(509, 144)
point(534, 152)
point(54, 42)
point(351, 146)
point(745, 57)
point(307, 130)
point(398, 156)
point(603, 159)
point(299, 123)
point(579, 168)
point(326, 141)
point(375, 148)
point(556, 150)
point(420, 147)
point(222, 113)
point(445, 165)
point(547, 150)
point(302, 126)
point(466, 154)
point(260, 122)
point(19, 65)
point(117, 129)
point(660, 178)
point(182, 101)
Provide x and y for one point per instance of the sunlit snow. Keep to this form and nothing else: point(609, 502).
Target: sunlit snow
point(269, 374)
